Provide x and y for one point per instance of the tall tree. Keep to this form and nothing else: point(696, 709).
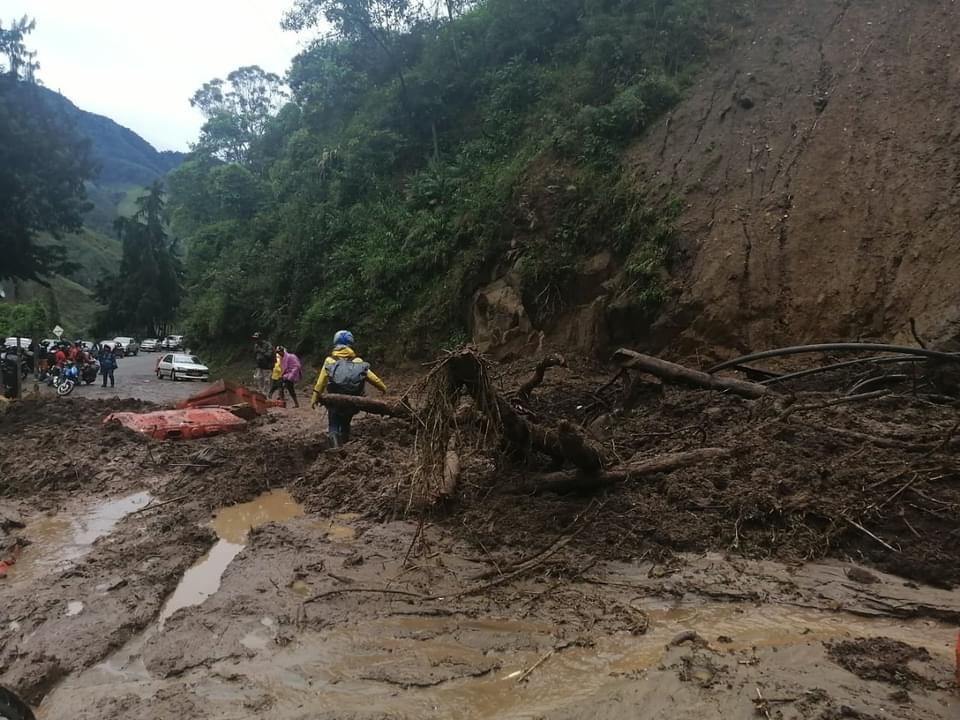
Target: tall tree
point(378, 21)
point(238, 111)
point(43, 166)
point(21, 63)
point(145, 295)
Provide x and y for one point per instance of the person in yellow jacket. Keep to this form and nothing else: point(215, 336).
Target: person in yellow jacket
point(276, 375)
point(343, 373)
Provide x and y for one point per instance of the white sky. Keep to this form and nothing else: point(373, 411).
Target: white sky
point(139, 61)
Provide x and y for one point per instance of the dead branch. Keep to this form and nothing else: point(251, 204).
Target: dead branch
point(860, 527)
point(672, 372)
point(535, 380)
point(468, 371)
point(364, 404)
point(916, 335)
point(574, 480)
point(864, 437)
point(836, 401)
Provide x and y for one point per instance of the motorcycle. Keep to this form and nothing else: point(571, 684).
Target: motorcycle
point(66, 380)
point(90, 371)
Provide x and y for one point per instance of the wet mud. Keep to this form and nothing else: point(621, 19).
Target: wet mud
point(260, 575)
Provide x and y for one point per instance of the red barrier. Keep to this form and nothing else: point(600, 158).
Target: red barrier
point(180, 424)
point(225, 393)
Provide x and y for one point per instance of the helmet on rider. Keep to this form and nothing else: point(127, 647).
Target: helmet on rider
point(343, 338)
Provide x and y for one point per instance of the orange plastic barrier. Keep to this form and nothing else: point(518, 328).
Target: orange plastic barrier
point(180, 424)
point(225, 393)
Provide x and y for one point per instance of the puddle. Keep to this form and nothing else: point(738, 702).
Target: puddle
point(338, 668)
point(232, 525)
point(60, 540)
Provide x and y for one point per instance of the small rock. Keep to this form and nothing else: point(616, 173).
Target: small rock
point(862, 576)
point(690, 636)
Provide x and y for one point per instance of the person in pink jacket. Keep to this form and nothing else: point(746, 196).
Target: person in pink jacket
point(290, 372)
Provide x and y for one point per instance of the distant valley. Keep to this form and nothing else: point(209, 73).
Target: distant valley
point(127, 164)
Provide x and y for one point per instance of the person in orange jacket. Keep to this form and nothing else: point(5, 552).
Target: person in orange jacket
point(343, 373)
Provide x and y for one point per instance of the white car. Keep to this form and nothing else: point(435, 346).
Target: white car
point(179, 366)
point(150, 345)
point(172, 342)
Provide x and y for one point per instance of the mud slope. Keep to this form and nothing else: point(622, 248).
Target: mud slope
point(819, 164)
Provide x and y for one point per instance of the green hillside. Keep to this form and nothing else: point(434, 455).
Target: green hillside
point(127, 163)
point(423, 157)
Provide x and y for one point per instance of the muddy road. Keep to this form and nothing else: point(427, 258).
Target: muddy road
point(263, 575)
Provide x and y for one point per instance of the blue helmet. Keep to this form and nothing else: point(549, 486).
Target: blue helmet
point(344, 337)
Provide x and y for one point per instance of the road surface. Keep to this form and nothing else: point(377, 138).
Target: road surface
point(136, 377)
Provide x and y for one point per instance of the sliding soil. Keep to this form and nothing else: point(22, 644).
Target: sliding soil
point(810, 576)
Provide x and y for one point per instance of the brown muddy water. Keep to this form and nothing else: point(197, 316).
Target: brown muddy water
point(358, 668)
point(59, 540)
point(232, 526)
point(454, 666)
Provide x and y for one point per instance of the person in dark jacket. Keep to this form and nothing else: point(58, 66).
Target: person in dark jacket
point(108, 364)
point(264, 358)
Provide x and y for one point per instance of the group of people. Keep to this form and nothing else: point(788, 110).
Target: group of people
point(107, 357)
point(343, 372)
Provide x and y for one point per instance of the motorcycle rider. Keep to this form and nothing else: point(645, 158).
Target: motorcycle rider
point(343, 372)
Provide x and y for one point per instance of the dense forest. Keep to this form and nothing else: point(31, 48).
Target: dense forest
point(394, 171)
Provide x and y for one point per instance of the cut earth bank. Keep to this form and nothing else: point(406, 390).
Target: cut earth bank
point(810, 575)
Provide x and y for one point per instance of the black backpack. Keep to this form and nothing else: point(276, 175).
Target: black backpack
point(347, 377)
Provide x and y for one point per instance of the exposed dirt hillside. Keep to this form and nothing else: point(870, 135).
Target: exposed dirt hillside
point(820, 167)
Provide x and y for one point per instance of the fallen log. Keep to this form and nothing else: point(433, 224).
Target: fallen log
point(525, 390)
point(575, 480)
point(685, 376)
point(390, 408)
point(577, 449)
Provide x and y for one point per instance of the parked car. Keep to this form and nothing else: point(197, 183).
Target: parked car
point(173, 342)
point(128, 344)
point(12, 342)
point(150, 345)
point(180, 366)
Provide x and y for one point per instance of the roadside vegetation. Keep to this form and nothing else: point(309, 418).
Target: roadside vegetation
point(413, 152)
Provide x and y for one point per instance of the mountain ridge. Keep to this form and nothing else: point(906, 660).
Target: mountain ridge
point(124, 157)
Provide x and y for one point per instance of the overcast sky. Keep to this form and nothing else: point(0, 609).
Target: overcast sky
point(139, 62)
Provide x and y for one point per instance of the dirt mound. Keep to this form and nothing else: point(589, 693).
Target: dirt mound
point(872, 481)
point(817, 165)
point(883, 660)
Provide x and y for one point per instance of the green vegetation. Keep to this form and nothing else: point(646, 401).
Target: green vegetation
point(144, 296)
point(43, 166)
point(22, 320)
point(420, 153)
point(66, 175)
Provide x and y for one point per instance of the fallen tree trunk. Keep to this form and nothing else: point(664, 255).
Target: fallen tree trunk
point(575, 480)
point(525, 390)
point(672, 372)
point(360, 403)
